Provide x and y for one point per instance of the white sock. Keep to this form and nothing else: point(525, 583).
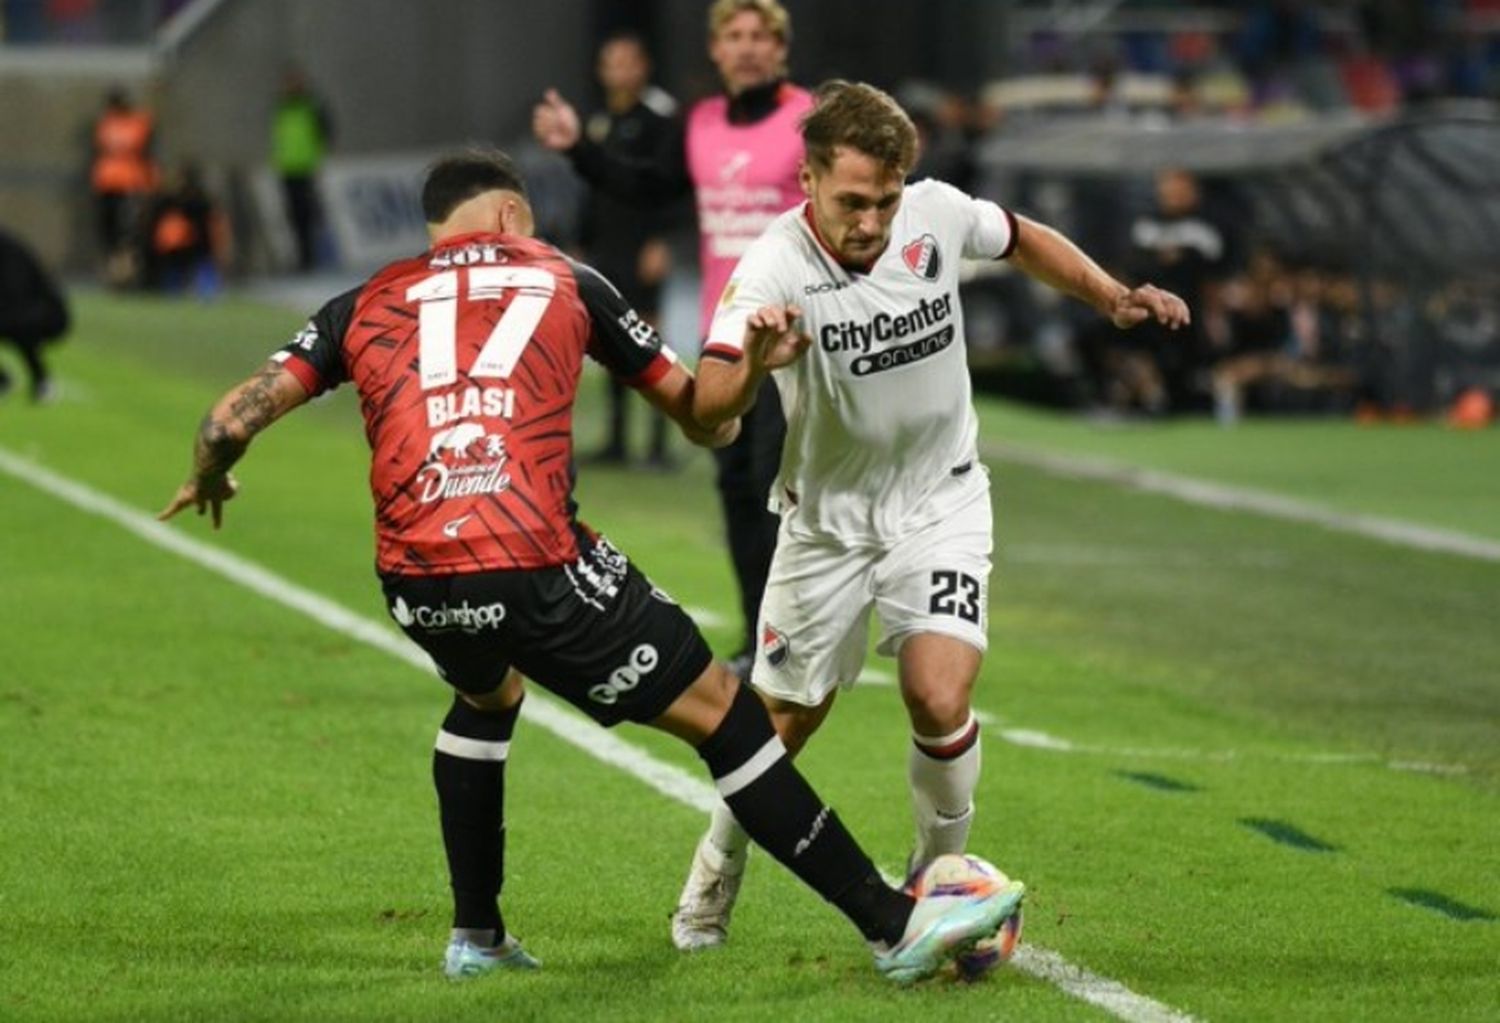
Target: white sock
point(728, 839)
point(943, 771)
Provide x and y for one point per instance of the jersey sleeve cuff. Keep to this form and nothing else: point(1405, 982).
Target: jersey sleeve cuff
point(659, 367)
point(726, 353)
point(306, 375)
point(1015, 234)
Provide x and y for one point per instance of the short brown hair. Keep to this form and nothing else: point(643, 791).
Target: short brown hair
point(771, 12)
point(859, 117)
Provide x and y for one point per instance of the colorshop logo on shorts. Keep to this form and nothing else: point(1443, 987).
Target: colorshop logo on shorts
point(643, 659)
point(444, 618)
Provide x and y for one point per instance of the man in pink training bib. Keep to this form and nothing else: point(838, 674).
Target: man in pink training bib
point(738, 156)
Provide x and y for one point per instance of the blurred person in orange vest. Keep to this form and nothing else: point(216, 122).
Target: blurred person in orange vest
point(187, 236)
point(122, 174)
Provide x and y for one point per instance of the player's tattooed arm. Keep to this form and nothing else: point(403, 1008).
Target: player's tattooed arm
point(225, 433)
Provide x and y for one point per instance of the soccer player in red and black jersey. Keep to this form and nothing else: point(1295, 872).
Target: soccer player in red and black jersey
point(466, 359)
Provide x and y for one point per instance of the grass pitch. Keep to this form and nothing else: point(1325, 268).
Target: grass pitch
point(1250, 768)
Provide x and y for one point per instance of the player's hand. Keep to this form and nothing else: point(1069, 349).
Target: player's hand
point(653, 262)
point(774, 338)
point(208, 495)
point(1149, 302)
point(554, 122)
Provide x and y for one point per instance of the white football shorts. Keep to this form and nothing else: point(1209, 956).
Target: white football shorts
point(814, 618)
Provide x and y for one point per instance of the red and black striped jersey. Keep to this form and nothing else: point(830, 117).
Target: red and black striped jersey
point(467, 360)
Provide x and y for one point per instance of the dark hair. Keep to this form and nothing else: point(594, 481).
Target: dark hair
point(862, 118)
point(457, 178)
point(627, 35)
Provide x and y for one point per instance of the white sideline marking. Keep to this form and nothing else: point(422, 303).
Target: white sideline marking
point(703, 616)
point(1033, 739)
point(1110, 995)
point(1244, 499)
point(1079, 555)
point(565, 723)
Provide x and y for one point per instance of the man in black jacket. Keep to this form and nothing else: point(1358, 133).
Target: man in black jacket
point(32, 312)
point(623, 241)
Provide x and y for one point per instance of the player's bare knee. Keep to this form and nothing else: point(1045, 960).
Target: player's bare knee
point(937, 709)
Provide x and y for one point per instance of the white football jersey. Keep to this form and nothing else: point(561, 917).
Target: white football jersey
point(879, 414)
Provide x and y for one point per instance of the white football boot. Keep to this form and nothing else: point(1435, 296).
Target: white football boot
point(701, 919)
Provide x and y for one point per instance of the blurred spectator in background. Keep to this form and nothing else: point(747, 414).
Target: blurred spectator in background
point(1285, 329)
point(187, 235)
point(624, 242)
point(738, 155)
point(121, 177)
point(301, 133)
point(945, 143)
point(1183, 100)
point(1179, 245)
point(32, 312)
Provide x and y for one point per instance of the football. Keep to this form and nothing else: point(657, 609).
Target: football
point(962, 874)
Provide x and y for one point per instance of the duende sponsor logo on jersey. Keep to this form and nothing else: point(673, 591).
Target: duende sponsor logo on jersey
point(643, 660)
point(445, 618)
point(463, 461)
point(882, 328)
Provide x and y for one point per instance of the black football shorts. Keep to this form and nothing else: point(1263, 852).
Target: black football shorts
point(595, 632)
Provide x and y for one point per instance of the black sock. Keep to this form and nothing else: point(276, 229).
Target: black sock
point(468, 769)
point(780, 811)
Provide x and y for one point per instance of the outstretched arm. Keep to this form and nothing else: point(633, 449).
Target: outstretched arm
point(726, 389)
point(226, 432)
point(1051, 258)
point(674, 394)
point(647, 183)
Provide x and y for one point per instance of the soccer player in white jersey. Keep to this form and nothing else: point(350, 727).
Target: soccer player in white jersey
point(849, 302)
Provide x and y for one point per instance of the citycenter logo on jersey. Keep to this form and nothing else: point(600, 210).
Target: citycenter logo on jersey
point(853, 336)
point(643, 660)
point(463, 461)
point(902, 355)
point(445, 618)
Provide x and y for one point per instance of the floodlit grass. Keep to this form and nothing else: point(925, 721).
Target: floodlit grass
point(214, 808)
